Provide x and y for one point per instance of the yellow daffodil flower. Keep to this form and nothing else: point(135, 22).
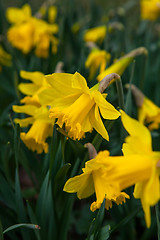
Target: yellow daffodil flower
point(96, 34)
point(76, 106)
point(122, 63)
point(150, 9)
point(108, 175)
point(139, 142)
point(148, 112)
point(97, 59)
point(5, 58)
point(95, 179)
point(41, 129)
point(28, 32)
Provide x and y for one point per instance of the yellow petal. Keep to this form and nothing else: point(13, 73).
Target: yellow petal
point(79, 82)
point(62, 83)
point(82, 184)
point(17, 15)
point(35, 77)
point(136, 129)
point(107, 110)
point(24, 122)
point(28, 109)
point(97, 123)
point(28, 88)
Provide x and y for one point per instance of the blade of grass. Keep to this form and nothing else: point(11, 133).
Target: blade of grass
point(26, 225)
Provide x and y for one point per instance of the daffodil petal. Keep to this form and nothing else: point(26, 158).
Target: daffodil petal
point(28, 88)
point(24, 122)
point(107, 110)
point(134, 128)
point(80, 82)
point(35, 77)
point(82, 184)
point(28, 109)
point(97, 123)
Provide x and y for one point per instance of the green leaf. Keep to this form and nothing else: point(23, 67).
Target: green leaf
point(1, 231)
point(26, 225)
point(33, 219)
point(16, 143)
point(20, 206)
point(94, 230)
point(60, 178)
point(104, 233)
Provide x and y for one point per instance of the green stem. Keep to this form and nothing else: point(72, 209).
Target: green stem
point(157, 218)
point(142, 79)
point(120, 93)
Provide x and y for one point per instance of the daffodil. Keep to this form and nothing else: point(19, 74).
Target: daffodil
point(108, 175)
point(122, 63)
point(150, 9)
point(148, 112)
point(97, 59)
point(98, 34)
point(5, 58)
point(41, 129)
point(77, 107)
point(139, 142)
point(95, 178)
point(28, 32)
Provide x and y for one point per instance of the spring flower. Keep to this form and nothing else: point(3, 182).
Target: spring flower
point(97, 59)
point(41, 129)
point(139, 142)
point(76, 106)
point(148, 112)
point(108, 175)
point(122, 63)
point(5, 58)
point(98, 34)
point(28, 32)
point(95, 179)
point(150, 9)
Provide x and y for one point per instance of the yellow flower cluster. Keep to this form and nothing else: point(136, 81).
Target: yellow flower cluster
point(28, 32)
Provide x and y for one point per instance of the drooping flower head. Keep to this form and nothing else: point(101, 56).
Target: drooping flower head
point(95, 178)
point(97, 59)
point(37, 115)
point(139, 142)
point(98, 34)
point(41, 127)
point(148, 112)
point(122, 63)
point(77, 107)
